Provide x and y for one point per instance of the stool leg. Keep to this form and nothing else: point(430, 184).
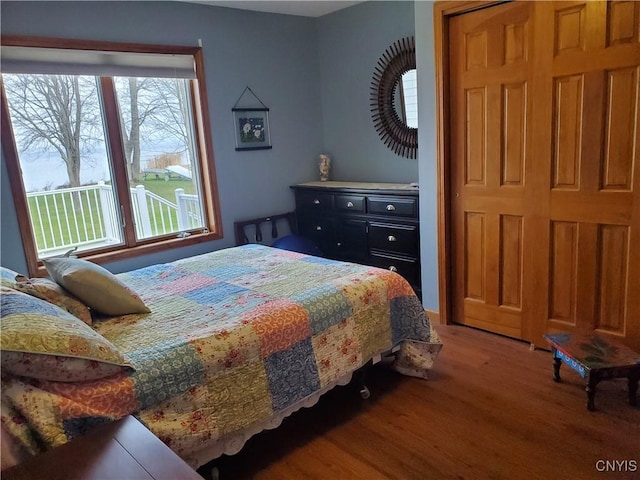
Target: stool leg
point(592, 386)
point(556, 368)
point(633, 388)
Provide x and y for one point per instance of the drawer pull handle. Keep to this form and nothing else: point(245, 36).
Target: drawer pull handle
point(393, 268)
point(391, 208)
point(391, 238)
point(316, 201)
point(318, 227)
point(349, 204)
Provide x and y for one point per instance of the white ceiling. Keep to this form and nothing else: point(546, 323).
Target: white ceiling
point(305, 8)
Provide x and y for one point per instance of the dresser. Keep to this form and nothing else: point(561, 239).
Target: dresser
point(370, 223)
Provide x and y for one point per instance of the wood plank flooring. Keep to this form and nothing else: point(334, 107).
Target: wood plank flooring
point(489, 410)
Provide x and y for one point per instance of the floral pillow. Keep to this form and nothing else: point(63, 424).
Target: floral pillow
point(8, 277)
point(53, 293)
point(38, 329)
point(57, 368)
point(96, 286)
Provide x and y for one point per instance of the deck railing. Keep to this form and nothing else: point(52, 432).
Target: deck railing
point(88, 217)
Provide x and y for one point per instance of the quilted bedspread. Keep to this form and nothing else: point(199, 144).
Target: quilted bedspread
point(235, 338)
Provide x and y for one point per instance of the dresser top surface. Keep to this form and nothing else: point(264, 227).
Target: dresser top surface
point(405, 187)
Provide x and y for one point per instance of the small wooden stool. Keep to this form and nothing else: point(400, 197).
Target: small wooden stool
point(595, 358)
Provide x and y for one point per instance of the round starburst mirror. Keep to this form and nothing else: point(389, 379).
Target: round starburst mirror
point(393, 98)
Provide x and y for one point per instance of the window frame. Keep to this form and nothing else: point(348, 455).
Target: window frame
point(131, 246)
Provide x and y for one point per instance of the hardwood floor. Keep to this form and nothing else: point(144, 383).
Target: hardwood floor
point(489, 410)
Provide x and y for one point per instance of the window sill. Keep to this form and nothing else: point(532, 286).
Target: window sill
point(119, 254)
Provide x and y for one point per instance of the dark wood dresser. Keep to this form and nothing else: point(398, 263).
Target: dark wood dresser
point(370, 223)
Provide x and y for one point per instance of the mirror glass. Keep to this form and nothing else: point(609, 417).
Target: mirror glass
point(405, 99)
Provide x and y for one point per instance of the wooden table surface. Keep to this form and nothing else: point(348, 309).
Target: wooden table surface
point(120, 450)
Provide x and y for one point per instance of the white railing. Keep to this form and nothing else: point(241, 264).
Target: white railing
point(72, 216)
point(153, 214)
point(188, 208)
point(87, 216)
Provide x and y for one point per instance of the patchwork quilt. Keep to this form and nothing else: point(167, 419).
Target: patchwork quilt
point(234, 338)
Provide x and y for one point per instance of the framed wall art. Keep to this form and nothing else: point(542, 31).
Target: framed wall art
point(251, 124)
point(252, 128)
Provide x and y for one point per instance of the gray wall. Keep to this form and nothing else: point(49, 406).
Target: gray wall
point(313, 73)
point(427, 151)
point(350, 43)
point(276, 55)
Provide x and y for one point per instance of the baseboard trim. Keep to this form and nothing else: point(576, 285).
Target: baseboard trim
point(434, 316)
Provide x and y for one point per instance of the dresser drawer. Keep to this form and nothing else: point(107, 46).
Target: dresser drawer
point(394, 238)
point(349, 203)
point(351, 240)
point(393, 206)
point(408, 267)
point(314, 201)
point(316, 227)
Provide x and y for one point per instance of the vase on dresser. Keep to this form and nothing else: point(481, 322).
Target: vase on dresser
point(324, 165)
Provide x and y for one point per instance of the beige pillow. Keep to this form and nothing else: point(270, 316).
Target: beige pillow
point(95, 286)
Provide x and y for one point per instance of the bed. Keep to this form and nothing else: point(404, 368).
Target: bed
point(235, 341)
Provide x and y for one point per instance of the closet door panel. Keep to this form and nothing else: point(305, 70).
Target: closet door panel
point(544, 175)
point(490, 98)
point(594, 179)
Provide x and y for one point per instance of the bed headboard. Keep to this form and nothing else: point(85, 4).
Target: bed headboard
point(253, 228)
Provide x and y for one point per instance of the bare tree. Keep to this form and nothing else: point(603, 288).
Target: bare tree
point(132, 140)
point(154, 110)
point(63, 111)
point(136, 107)
point(58, 111)
point(173, 116)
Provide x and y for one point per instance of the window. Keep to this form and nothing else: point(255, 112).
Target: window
point(108, 148)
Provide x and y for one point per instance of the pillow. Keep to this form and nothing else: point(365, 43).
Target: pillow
point(51, 292)
point(95, 286)
point(8, 277)
point(39, 329)
point(57, 368)
point(297, 243)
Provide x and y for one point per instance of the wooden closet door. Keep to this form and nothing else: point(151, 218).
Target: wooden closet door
point(588, 61)
point(490, 145)
point(544, 138)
